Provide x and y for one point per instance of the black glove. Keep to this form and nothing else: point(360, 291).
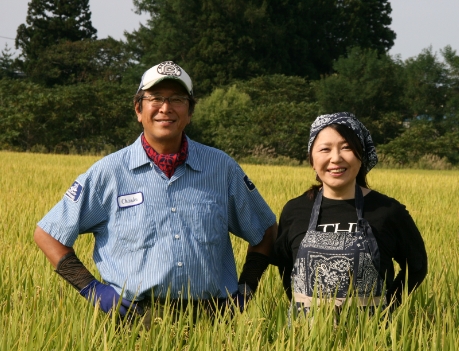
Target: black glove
point(254, 267)
point(74, 271)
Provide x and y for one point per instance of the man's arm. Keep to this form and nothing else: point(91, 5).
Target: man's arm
point(257, 260)
point(69, 267)
point(64, 260)
point(51, 247)
point(266, 244)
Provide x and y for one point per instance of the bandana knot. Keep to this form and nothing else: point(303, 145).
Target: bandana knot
point(167, 163)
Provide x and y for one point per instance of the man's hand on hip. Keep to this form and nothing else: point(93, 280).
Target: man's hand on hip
point(108, 298)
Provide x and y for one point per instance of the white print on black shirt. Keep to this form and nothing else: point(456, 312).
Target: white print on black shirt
point(334, 227)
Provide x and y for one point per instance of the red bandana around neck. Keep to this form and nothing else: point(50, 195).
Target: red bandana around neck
point(168, 163)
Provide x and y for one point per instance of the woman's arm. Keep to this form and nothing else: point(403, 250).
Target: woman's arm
point(411, 255)
point(282, 254)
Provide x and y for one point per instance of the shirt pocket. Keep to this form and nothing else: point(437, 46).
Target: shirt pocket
point(135, 228)
point(209, 224)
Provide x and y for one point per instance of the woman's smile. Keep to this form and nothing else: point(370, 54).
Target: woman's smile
point(335, 163)
point(337, 171)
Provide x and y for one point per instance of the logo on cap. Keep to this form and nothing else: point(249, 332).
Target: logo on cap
point(169, 68)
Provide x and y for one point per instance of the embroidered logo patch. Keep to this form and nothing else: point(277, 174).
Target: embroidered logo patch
point(169, 68)
point(75, 191)
point(130, 200)
point(248, 183)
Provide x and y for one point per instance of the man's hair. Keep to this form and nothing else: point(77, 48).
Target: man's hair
point(140, 94)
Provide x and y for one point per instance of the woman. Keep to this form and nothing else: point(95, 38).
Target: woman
point(340, 233)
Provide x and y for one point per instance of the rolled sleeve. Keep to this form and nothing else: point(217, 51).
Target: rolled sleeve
point(248, 214)
point(79, 211)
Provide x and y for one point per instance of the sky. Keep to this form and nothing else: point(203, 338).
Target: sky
point(417, 23)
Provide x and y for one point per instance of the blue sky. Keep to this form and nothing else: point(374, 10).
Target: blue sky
point(418, 23)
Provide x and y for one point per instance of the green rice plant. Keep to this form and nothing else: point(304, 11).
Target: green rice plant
point(40, 311)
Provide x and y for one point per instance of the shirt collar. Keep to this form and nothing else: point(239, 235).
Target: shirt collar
point(193, 159)
point(138, 156)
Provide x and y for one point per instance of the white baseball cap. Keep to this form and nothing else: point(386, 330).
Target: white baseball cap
point(166, 70)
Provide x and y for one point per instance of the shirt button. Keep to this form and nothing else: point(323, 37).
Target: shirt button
point(177, 236)
point(173, 209)
point(180, 264)
point(179, 292)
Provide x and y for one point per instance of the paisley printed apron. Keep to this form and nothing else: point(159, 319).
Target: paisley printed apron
point(338, 264)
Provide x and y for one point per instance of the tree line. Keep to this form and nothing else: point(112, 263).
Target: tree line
point(263, 70)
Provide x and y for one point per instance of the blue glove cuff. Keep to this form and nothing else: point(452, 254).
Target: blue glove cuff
point(88, 289)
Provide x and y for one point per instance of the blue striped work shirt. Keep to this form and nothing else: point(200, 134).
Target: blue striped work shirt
point(153, 233)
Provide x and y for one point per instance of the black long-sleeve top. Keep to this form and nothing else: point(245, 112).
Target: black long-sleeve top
point(396, 233)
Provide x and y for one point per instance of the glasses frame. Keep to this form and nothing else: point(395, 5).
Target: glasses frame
point(147, 97)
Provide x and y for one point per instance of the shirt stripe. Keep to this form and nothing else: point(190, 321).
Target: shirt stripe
point(177, 238)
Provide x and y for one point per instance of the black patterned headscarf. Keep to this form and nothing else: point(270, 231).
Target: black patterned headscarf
point(370, 159)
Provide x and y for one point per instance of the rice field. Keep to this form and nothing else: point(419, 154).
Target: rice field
point(40, 311)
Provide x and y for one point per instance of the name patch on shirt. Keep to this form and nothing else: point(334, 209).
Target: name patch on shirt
point(130, 200)
point(75, 191)
point(248, 183)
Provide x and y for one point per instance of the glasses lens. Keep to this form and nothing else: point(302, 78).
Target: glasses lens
point(175, 100)
point(156, 100)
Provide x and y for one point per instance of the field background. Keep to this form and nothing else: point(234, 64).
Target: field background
point(40, 311)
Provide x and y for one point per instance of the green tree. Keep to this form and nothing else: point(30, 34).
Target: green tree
point(265, 115)
point(452, 104)
point(426, 86)
point(283, 111)
point(50, 22)
point(216, 41)
point(431, 99)
point(223, 120)
point(76, 118)
point(81, 61)
point(318, 32)
point(6, 63)
point(219, 41)
point(368, 85)
point(422, 138)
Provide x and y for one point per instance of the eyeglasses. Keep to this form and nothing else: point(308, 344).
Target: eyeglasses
point(158, 100)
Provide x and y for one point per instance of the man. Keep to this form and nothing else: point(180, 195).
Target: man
point(160, 211)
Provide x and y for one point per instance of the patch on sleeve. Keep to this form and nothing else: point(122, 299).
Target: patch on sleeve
point(248, 183)
point(74, 191)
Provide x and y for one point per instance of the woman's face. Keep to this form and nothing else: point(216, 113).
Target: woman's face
point(335, 164)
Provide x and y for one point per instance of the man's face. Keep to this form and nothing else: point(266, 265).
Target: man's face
point(163, 126)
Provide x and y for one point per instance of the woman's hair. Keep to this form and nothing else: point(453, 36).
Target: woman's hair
point(354, 143)
point(138, 100)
